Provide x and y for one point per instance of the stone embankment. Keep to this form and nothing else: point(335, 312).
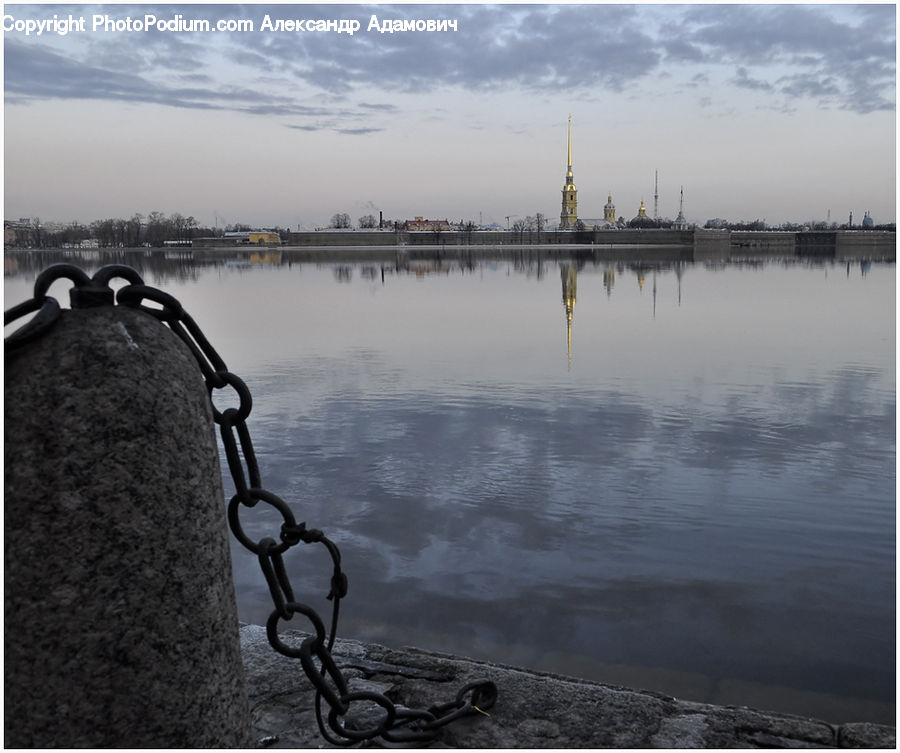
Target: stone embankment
point(533, 709)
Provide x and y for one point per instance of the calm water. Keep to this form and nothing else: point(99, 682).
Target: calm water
point(689, 487)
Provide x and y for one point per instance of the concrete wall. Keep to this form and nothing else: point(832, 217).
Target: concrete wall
point(824, 243)
point(769, 242)
point(706, 243)
point(852, 243)
point(711, 245)
point(345, 238)
point(684, 245)
point(489, 237)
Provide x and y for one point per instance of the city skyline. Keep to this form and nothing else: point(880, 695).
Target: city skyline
point(771, 112)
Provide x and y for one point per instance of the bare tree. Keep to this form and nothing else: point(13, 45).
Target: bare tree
point(519, 227)
point(133, 229)
point(36, 232)
point(540, 222)
point(157, 229)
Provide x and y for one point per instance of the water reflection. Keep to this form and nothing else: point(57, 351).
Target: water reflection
point(655, 539)
point(569, 294)
point(697, 498)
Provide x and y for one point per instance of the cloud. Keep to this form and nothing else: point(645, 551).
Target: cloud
point(35, 72)
point(808, 85)
point(334, 127)
point(743, 80)
point(383, 107)
point(304, 127)
point(843, 57)
point(836, 56)
point(700, 79)
point(678, 50)
point(358, 131)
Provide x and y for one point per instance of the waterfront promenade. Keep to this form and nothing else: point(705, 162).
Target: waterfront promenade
point(533, 709)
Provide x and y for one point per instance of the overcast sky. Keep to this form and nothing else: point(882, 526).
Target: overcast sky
point(776, 112)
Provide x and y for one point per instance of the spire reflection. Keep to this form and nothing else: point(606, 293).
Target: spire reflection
point(569, 289)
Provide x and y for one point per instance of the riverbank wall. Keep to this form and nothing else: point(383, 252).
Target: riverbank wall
point(533, 709)
point(636, 244)
point(491, 237)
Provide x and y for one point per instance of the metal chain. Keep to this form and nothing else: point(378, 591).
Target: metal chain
point(399, 725)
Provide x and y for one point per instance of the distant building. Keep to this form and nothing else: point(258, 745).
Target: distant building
point(233, 238)
point(568, 217)
point(868, 221)
point(569, 220)
point(17, 232)
point(253, 238)
point(609, 210)
point(420, 223)
point(642, 213)
point(680, 222)
point(597, 224)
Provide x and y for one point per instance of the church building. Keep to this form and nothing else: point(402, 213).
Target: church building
point(568, 217)
point(609, 210)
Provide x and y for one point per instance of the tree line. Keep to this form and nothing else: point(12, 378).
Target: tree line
point(342, 221)
point(154, 229)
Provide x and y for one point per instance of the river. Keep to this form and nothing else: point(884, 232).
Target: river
point(675, 476)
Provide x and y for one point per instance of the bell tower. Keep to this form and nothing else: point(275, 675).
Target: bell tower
point(609, 211)
point(569, 215)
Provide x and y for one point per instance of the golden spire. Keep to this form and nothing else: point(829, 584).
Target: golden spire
point(568, 216)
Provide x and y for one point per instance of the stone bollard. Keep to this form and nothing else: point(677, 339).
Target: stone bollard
point(121, 623)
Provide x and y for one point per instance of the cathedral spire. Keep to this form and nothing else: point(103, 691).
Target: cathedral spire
point(568, 217)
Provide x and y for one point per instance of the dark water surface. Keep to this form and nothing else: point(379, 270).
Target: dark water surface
point(690, 487)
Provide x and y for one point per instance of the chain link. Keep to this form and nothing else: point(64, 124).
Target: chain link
point(398, 725)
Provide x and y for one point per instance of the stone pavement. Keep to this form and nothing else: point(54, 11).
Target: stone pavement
point(533, 709)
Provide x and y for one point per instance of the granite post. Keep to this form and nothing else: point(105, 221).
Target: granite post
point(121, 623)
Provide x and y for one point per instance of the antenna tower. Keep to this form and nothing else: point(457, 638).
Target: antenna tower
point(656, 197)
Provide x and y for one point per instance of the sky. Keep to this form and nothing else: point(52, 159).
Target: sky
point(772, 112)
